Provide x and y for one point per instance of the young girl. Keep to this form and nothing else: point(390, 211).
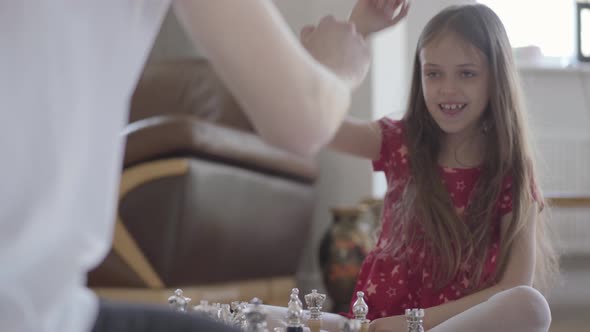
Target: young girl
point(461, 230)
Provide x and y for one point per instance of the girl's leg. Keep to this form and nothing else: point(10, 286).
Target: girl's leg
point(521, 309)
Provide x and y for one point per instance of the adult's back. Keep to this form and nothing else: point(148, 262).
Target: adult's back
point(68, 69)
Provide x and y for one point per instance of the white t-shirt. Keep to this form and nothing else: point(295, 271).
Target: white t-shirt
point(67, 71)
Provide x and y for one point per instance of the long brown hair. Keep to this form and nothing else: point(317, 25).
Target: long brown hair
point(508, 153)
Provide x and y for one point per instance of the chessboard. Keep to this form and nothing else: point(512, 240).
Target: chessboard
point(253, 317)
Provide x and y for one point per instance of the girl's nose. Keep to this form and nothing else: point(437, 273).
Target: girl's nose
point(448, 87)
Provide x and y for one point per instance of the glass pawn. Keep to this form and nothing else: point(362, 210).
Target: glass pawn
point(294, 312)
point(415, 320)
point(360, 309)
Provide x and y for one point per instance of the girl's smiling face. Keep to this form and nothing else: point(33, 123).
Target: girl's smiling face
point(455, 84)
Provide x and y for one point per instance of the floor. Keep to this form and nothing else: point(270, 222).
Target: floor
point(570, 301)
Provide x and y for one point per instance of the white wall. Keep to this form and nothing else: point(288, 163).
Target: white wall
point(558, 101)
point(172, 41)
point(558, 104)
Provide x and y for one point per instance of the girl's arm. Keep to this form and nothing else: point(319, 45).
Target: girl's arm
point(519, 271)
point(359, 138)
point(292, 99)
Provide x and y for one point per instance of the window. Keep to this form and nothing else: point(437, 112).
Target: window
point(548, 24)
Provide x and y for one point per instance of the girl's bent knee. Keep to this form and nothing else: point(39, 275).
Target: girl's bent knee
point(530, 305)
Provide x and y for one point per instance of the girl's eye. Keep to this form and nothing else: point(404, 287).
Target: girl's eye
point(432, 74)
point(467, 74)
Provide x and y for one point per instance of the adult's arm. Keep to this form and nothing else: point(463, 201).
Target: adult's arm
point(292, 100)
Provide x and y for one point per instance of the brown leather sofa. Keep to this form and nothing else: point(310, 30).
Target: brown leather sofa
point(204, 203)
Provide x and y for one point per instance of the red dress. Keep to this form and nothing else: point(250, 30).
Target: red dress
point(392, 284)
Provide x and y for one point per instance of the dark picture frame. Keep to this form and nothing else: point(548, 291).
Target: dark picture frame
point(582, 28)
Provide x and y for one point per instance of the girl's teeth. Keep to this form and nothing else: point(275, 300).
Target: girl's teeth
point(452, 106)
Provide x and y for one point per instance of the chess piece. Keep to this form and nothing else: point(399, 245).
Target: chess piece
point(294, 312)
point(315, 302)
point(295, 291)
point(178, 302)
point(215, 310)
point(255, 317)
point(351, 325)
point(360, 309)
point(225, 315)
point(415, 320)
point(239, 316)
point(202, 307)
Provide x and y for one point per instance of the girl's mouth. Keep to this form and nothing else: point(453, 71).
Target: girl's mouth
point(452, 109)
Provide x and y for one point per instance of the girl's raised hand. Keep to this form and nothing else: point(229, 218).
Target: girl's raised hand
point(371, 16)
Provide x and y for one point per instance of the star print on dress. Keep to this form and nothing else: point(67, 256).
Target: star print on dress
point(391, 292)
point(449, 170)
point(425, 275)
point(461, 185)
point(395, 270)
point(403, 151)
point(465, 282)
point(460, 210)
point(371, 288)
point(465, 266)
point(443, 298)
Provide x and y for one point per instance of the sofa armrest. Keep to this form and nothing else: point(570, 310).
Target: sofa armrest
point(181, 135)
